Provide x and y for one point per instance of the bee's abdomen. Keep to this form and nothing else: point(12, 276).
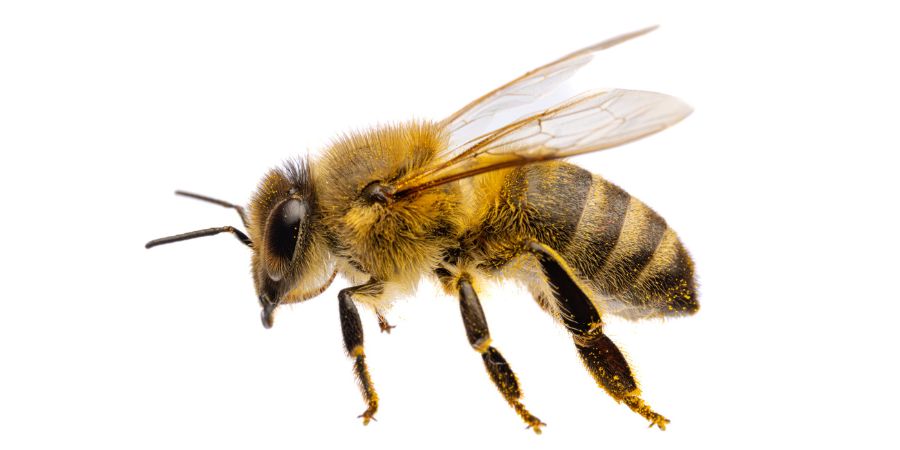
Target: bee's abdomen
point(622, 249)
point(630, 256)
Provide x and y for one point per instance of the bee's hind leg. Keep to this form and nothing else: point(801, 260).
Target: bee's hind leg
point(603, 359)
point(497, 367)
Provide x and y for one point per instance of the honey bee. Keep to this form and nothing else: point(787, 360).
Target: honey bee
point(388, 206)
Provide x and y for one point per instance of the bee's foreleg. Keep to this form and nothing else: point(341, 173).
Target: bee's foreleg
point(603, 359)
point(497, 367)
point(351, 326)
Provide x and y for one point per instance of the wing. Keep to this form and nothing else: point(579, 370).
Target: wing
point(525, 89)
point(587, 123)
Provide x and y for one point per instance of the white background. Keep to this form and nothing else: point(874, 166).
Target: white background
point(781, 184)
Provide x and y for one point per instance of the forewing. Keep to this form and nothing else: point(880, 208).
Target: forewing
point(468, 121)
point(587, 123)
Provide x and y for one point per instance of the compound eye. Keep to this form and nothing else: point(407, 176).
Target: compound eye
point(284, 227)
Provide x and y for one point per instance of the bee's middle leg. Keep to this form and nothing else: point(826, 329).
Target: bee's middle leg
point(497, 367)
point(383, 323)
point(351, 326)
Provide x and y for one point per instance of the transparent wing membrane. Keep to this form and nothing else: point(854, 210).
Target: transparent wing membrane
point(587, 123)
point(524, 90)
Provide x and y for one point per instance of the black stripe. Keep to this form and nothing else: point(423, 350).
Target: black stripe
point(556, 195)
point(609, 225)
point(629, 267)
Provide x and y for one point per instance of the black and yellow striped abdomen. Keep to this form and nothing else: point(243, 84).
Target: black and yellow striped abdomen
point(634, 263)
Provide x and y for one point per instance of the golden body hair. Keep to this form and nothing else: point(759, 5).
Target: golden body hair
point(390, 206)
point(634, 264)
point(399, 241)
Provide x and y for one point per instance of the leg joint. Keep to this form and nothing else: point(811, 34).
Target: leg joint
point(483, 344)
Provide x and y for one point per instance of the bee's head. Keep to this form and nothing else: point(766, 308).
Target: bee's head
point(289, 256)
point(291, 261)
